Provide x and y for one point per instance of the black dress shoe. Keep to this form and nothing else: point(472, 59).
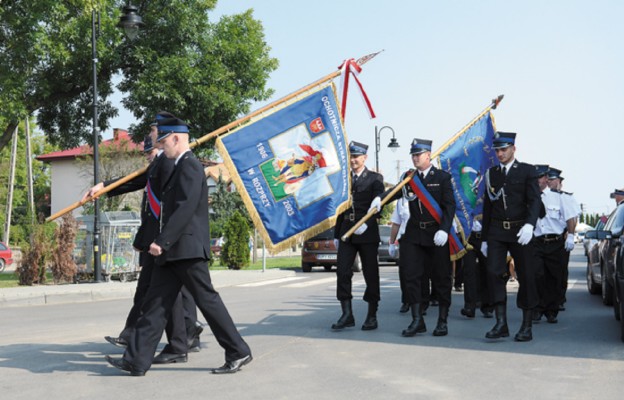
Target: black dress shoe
point(194, 346)
point(487, 313)
point(404, 308)
point(468, 312)
point(124, 366)
point(551, 317)
point(116, 341)
point(170, 358)
point(233, 366)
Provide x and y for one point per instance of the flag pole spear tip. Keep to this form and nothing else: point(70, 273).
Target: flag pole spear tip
point(496, 101)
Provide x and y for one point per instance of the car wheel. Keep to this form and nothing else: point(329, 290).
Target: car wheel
point(616, 307)
point(357, 264)
point(2, 265)
point(305, 267)
point(621, 307)
point(592, 286)
point(607, 290)
point(328, 268)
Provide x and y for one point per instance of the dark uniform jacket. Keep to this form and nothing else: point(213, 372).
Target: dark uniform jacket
point(421, 226)
point(502, 219)
point(158, 172)
point(185, 231)
point(368, 186)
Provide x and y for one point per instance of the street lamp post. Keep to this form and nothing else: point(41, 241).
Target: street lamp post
point(393, 145)
point(130, 22)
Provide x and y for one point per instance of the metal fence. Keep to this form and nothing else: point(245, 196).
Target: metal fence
point(119, 259)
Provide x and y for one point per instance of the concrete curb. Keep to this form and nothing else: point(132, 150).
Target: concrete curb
point(84, 292)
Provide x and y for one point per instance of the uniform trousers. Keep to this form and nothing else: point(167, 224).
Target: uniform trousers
point(550, 272)
point(166, 282)
point(175, 330)
point(475, 277)
point(347, 252)
point(498, 273)
point(416, 260)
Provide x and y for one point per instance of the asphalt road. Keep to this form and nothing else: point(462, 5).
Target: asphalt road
point(57, 351)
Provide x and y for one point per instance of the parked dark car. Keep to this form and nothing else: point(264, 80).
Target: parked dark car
point(384, 238)
point(320, 251)
point(590, 242)
point(6, 256)
point(619, 285)
point(606, 254)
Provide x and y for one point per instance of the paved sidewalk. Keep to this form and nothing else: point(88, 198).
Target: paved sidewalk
point(83, 292)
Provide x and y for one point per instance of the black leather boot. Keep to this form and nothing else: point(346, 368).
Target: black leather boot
point(418, 323)
point(525, 334)
point(500, 329)
point(346, 319)
point(468, 310)
point(441, 328)
point(371, 318)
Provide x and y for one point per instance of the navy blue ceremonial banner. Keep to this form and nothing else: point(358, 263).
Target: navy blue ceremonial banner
point(467, 159)
point(291, 168)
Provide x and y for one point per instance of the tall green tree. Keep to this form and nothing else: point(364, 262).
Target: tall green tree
point(206, 72)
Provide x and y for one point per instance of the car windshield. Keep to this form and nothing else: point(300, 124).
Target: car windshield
point(327, 235)
point(616, 222)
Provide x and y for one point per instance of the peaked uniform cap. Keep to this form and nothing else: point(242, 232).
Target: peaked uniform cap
point(420, 146)
point(503, 140)
point(357, 149)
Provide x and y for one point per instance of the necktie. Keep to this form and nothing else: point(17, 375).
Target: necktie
point(355, 178)
point(422, 176)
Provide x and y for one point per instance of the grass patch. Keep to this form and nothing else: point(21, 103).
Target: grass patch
point(10, 279)
point(274, 262)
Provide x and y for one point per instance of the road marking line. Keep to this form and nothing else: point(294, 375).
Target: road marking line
point(312, 282)
point(572, 282)
point(272, 281)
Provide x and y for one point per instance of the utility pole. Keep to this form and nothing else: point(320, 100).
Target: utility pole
point(31, 194)
point(9, 209)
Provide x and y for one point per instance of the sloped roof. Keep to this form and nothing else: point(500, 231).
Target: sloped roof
point(217, 170)
point(120, 141)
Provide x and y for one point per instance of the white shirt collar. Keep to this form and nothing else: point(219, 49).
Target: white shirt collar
point(180, 156)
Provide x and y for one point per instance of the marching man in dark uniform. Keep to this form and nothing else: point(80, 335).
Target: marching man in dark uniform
point(181, 250)
point(182, 329)
point(511, 208)
point(551, 247)
point(425, 241)
point(365, 186)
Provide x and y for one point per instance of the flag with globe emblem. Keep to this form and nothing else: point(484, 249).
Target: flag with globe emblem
point(467, 159)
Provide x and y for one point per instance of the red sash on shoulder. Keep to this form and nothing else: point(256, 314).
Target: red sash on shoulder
point(153, 201)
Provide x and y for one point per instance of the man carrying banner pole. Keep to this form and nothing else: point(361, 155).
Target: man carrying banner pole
point(366, 185)
point(426, 238)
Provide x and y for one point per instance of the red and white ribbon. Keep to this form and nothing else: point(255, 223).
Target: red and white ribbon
point(350, 67)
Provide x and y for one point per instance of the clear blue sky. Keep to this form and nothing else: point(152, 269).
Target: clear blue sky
point(560, 65)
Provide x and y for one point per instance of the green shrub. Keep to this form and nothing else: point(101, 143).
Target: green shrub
point(235, 251)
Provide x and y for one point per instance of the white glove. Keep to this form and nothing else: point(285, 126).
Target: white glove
point(376, 204)
point(476, 226)
point(336, 243)
point(569, 243)
point(525, 234)
point(440, 238)
point(484, 248)
point(392, 250)
point(361, 229)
